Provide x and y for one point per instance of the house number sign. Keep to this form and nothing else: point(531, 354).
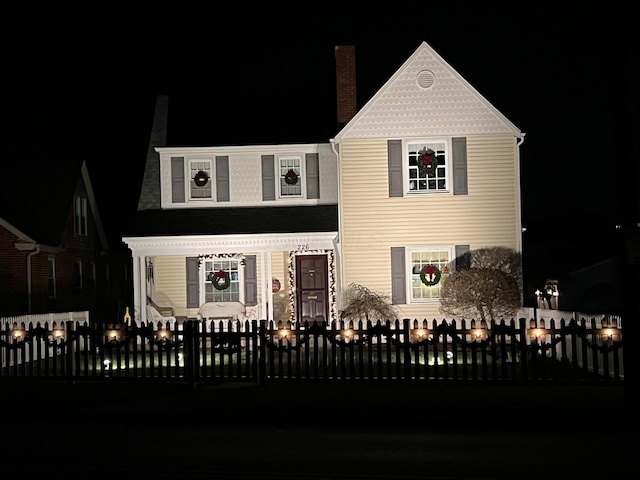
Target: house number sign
point(303, 246)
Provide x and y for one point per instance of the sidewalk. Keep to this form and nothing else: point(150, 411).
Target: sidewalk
point(312, 430)
point(325, 401)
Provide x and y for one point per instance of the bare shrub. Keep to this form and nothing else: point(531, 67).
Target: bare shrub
point(488, 286)
point(364, 304)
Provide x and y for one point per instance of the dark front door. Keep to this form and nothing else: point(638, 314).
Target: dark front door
point(312, 285)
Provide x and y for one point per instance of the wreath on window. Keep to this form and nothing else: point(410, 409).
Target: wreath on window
point(430, 275)
point(291, 177)
point(427, 162)
point(201, 178)
point(220, 280)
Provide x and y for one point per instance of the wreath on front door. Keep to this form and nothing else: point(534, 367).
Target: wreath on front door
point(291, 177)
point(427, 162)
point(430, 275)
point(220, 280)
point(201, 178)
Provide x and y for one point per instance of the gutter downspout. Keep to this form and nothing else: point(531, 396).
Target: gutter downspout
point(33, 252)
point(520, 141)
point(332, 141)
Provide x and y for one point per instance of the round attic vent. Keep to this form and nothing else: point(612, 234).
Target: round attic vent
point(426, 78)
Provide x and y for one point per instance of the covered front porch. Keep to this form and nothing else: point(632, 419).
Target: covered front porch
point(281, 277)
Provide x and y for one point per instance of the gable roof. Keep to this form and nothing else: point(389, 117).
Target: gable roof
point(36, 199)
point(426, 96)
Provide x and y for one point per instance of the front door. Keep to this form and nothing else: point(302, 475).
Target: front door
point(312, 285)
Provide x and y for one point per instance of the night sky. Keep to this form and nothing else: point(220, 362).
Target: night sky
point(84, 82)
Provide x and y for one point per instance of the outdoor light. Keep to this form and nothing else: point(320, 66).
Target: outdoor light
point(113, 335)
point(479, 334)
point(347, 335)
point(18, 334)
point(163, 335)
point(419, 334)
point(283, 334)
point(57, 334)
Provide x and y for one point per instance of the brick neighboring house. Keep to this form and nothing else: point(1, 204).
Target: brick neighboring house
point(54, 255)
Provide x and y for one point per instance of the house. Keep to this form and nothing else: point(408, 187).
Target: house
point(53, 249)
point(426, 170)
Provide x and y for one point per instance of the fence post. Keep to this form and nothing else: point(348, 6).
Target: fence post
point(406, 344)
point(70, 345)
point(262, 349)
point(524, 350)
point(190, 352)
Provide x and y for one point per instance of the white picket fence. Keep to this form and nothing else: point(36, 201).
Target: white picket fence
point(11, 327)
point(610, 324)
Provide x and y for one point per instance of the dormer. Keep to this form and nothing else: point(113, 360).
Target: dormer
point(236, 176)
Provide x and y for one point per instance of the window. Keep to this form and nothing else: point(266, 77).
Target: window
point(200, 179)
point(439, 257)
point(80, 216)
point(52, 276)
point(231, 267)
point(78, 275)
point(290, 176)
point(92, 278)
point(424, 182)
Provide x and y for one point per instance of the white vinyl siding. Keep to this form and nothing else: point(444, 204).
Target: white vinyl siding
point(372, 222)
point(245, 175)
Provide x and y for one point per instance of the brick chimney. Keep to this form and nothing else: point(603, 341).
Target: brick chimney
point(346, 83)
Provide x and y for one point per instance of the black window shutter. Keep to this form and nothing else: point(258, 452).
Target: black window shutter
point(268, 178)
point(398, 277)
point(177, 179)
point(394, 158)
point(193, 283)
point(459, 147)
point(222, 179)
point(313, 175)
point(250, 281)
point(463, 257)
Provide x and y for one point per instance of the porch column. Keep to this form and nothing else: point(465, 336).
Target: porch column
point(139, 289)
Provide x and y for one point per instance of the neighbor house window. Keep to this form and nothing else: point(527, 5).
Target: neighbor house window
point(51, 260)
point(230, 294)
point(92, 278)
point(200, 179)
point(290, 172)
point(425, 182)
point(419, 258)
point(78, 275)
point(80, 216)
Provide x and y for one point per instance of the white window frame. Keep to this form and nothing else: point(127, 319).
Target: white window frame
point(431, 294)
point(80, 216)
point(415, 146)
point(281, 169)
point(207, 267)
point(193, 165)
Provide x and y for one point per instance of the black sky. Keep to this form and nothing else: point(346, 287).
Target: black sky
point(83, 81)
